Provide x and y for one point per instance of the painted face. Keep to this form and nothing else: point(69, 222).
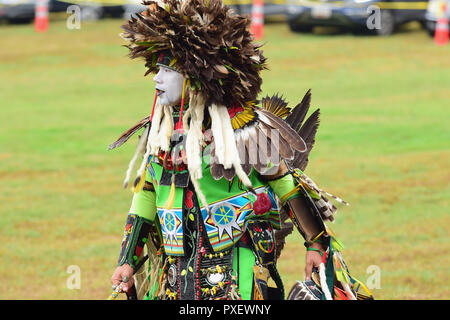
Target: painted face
point(169, 86)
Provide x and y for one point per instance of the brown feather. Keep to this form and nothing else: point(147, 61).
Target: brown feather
point(128, 133)
point(273, 155)
point(308, 133)
point(246, 166)
point(289, 134)
point(263, 148)
point(278, 143)
point(251, 144)
point(229, 173)
point(254, 150)
point(251, 152)
point(243, 154)
point(216, 168)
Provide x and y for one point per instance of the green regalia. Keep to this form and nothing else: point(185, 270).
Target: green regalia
point(222, 173)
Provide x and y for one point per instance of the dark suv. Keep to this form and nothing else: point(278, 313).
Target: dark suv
point(379, 17)
point(17, 11)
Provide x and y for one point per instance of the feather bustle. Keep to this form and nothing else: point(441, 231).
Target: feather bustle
point(288, 134)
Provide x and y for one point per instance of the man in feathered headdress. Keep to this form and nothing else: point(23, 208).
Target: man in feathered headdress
point(220, 174)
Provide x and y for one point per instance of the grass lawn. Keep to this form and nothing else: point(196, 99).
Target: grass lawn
point(383, 146)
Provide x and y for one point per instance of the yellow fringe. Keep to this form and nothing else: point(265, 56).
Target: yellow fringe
point(141, 183)
point(171, 198)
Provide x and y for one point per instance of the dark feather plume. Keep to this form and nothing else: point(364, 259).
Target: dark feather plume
point(229, 173)
point(298, 113)
point(307, 130)
point(308, 133)
point(215, 167)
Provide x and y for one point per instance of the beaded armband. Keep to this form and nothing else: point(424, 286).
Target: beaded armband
point(135, 236)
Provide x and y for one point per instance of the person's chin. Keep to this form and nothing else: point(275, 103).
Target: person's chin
point(164, 102)
point(170, 103)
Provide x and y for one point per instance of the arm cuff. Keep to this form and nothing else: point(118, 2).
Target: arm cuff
point(135, 236)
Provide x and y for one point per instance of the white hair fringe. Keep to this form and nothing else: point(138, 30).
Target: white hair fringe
point(216, 128)
point(186, 116)
point(323, 282)
point(194, 136)
point(154, 130)
point(162, 141)
point(194, 142)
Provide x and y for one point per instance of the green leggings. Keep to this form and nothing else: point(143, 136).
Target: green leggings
point(244, 269)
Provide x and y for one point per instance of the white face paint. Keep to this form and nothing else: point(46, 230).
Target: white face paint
point(169, 86)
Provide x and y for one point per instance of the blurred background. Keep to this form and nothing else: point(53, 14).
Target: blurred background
point(379, 72)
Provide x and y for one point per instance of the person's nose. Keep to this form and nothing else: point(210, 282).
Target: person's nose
point(157, 77)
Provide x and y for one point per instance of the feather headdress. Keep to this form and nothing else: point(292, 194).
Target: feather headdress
point(211, 46)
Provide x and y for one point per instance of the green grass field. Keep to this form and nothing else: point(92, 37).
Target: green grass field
point(383, 146)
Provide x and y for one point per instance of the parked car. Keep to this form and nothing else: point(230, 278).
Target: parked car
point(90, 10)
point(271, 7)
point(17, 11)
point(434, 12)
point(303, 15)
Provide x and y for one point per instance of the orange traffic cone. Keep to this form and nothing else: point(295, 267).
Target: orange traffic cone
point(41, 16)
point(441, 32)
point(257, 25)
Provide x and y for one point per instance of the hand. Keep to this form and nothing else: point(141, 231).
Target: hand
point(121, 272)
point(313, 259)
